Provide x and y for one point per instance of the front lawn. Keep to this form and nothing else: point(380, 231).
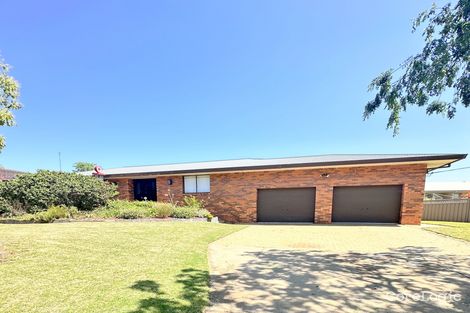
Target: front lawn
point(106, 266)
point(454, 229)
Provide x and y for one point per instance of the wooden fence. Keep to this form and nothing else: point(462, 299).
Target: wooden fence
point(447, 210)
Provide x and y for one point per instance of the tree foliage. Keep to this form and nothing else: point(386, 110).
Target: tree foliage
point(9, 98)
point(442, 67)
point(36, 192)
point(83, 166)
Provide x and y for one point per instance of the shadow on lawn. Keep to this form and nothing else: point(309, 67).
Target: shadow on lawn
point(195, 288)
point(315, 281)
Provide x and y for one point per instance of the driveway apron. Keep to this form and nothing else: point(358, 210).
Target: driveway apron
point(339, 268)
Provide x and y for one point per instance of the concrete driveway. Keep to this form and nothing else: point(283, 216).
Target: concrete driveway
point(339, 268)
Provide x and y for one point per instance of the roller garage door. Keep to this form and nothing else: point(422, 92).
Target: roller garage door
point(286, 205)
point(373, 204)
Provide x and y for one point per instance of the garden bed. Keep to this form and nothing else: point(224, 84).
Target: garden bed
point(115, 210)
point(97, 219)
point(47, 197)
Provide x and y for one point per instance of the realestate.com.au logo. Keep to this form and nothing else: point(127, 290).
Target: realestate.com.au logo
point(426, 296)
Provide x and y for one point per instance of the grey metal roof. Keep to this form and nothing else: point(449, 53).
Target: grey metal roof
point(7, 174)
point(292, 162)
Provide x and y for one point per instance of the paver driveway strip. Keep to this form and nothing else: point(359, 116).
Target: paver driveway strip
point(339, 268)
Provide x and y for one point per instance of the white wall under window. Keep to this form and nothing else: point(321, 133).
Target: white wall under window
point(199, 183)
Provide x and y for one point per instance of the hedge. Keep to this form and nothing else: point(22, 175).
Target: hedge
point(38, 191)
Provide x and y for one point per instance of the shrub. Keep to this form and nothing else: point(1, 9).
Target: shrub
point(126, 209)
point(36, 192)
point(184, 212)
point(136, 209)
point(42, 217)
point(193, 202)
point(130, 214)
point(124, 204)
point(58, 211)
point(203, 213)
point(142, 209)
point(103, 212)
point(162, 210)
point(110, 210)
point(52, 213)
point(6, 208)
point(73, 212)
point(120, 204)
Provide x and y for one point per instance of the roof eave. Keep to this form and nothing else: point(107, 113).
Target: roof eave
point(453, 157)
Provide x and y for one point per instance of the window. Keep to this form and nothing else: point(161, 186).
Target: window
point(200, 183)
point(189, 184)
point(203, 183)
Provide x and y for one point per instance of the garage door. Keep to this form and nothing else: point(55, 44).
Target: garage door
point(286, 205)
point(374, 204)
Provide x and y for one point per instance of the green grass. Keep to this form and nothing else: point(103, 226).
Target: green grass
point(454, 229)
point(106, 266)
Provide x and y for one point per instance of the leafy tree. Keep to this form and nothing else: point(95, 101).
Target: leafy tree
point(83, 166)
point(9, 94)
point(442, 67)
point(34, 192)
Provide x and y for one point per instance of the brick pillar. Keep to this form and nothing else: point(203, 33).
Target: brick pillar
point(412, 203)
point(323, 204)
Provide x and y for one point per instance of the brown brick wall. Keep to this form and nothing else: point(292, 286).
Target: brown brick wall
point(125, 187)
point(233, 195)
point(165, 191)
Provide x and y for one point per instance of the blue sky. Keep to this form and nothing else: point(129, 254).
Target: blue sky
point(146, 82)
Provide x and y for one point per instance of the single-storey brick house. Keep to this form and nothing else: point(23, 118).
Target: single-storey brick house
point(385, 188)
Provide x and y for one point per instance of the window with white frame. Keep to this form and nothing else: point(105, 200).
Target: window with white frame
point(197, 183)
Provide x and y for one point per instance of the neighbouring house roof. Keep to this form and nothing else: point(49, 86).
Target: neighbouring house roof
point(448, 186)
point(6, 174)
point(432, 161)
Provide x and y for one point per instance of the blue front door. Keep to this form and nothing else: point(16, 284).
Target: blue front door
point(145, 189)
